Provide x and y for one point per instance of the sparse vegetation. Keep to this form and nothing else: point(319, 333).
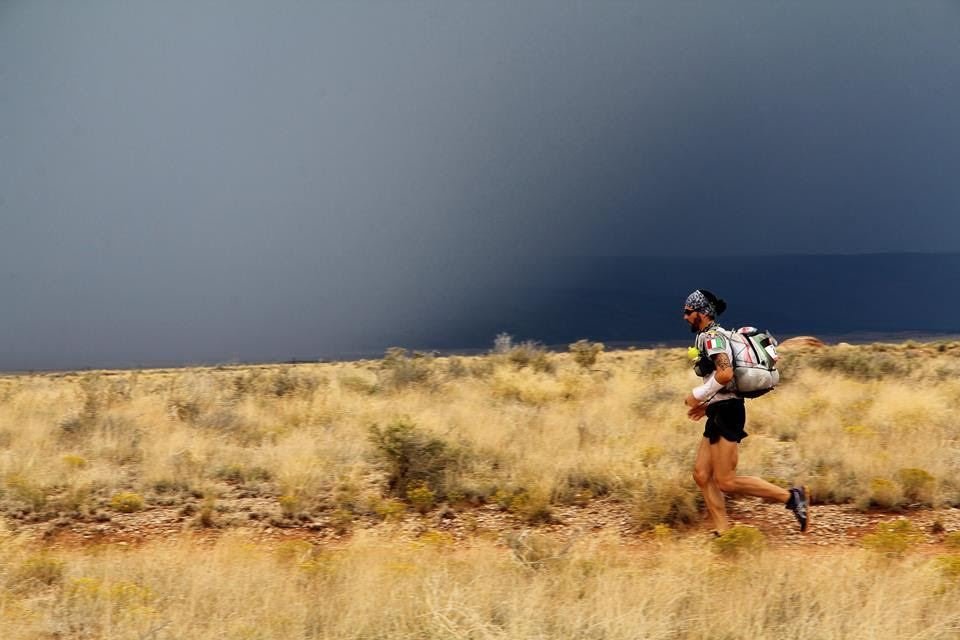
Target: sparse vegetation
point(344, 446)
point(558, 428)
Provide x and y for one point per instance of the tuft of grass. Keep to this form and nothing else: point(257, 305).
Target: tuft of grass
point(893, 539)
point(36, 571)
point(127, 502)
point(529, 353)
point(533, 506)
point(739, 540)
point(662, 500)
point(207, 515)
point(32, 495)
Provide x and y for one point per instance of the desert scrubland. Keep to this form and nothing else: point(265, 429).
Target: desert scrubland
point(362, 449)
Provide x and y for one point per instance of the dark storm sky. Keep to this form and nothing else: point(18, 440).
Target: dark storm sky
point(206, 181)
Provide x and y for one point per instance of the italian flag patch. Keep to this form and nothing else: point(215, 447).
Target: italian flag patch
point(715, 343)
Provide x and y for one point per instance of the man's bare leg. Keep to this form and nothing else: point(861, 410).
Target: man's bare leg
point(704, 476)
point(724, 456)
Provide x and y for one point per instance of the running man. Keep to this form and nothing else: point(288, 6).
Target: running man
point(715, 470)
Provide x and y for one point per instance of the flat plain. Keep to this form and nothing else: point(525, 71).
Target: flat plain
point(519, 494)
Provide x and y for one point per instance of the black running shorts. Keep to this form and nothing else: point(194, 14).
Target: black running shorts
point(725, 419)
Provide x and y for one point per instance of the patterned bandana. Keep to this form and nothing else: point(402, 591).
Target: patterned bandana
point(698, 302)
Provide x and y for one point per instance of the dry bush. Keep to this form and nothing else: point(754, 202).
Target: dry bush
point(663, 499)
point(416, 463)
point(585, 353)
point(401, 370)
point(525, 354)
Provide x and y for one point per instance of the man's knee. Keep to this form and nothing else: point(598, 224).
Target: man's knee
point(701, 477)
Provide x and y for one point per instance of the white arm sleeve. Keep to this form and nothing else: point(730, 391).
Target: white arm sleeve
point(708, 389)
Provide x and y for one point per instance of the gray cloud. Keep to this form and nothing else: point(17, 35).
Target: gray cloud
point(215, 180)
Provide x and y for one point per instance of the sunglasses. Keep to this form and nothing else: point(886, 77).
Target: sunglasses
point(687, 312)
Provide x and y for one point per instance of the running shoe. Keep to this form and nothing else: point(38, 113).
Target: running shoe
point(799, 503)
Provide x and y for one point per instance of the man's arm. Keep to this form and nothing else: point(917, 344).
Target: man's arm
point(721, 376)
point(724, 371)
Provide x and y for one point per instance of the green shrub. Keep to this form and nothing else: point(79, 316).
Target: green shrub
point(411, 457)
point(421, 497)
point(893, 538)
point(739, 540)
point(585, 352)
point(917, 484)
point(127, 502)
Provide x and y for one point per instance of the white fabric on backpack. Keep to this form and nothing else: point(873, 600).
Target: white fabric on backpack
point(755, 371)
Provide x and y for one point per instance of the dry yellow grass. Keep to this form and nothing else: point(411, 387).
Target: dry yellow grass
point(557, 433)
point(870, 425)
point(376, 588)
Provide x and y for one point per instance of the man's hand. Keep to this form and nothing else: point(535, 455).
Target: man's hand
point(695, 409)
point(695, 413)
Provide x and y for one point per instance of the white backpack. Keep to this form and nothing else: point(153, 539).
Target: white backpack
point(755, 361)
